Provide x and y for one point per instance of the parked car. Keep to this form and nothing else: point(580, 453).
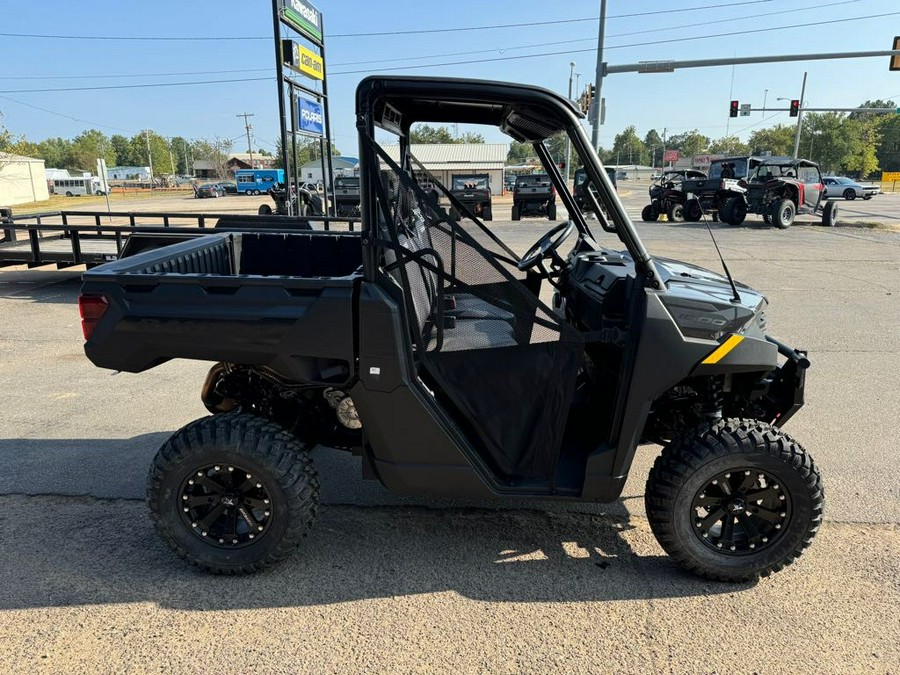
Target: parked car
point(208, 190)
point(837, 187)
point(228, 188)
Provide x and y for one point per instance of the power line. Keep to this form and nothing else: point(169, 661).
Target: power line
point(68, 117)
point(126, 75)
point(502, 50)
point(161, 38)
point(134, 86)
point(634, 44)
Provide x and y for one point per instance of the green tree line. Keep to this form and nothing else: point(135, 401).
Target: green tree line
point(858, 143)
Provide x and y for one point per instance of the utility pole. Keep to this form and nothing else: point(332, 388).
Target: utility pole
point(598, 80)
point(663, 159)
point(568, 141)
point(248, 127)
point(765, 98)
point(800, 118)
point(149, 155)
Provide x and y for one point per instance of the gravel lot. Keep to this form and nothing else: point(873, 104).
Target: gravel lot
point(385, 584)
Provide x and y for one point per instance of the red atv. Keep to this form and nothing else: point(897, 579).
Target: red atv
point(778, 189)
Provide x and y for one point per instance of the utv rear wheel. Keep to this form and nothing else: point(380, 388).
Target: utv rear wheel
point(649, 214)
point(264, 210)
point(829, 215)
point(783, 212)
point(676, 213)
point(693, 212)
point(735, 211)
point(515, 212)
point(232, 493)
point(734, 501)
point(551, 212)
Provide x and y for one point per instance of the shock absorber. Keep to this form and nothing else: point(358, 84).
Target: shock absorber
point(713, 396)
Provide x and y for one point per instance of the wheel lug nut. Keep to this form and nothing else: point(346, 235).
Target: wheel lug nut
point(203, 534)
point(699, 524)
point(782, 514)
point(199, 473)
point(231, 468)
point(746, 473)
point(781, 497)
point(731, 547)
point(705, 535)
point(184, 497)
point(260, 528)
point(218, 468)
point(265, 501)
point(234, 541)
point(765, 539)
point(193, 524)
point(702, 495)
point(727, 475)
point(186, 509)
point(252, 535)
point(715, 482)
point(752, 545)
point(777, 526)
point(249, 476)
point(221, 541)
point(191, 481)
point(719, 545)
point(267, 513)
point(259, 485)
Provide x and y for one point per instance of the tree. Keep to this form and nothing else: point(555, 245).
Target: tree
point(425, 133)
point(828, 140)
point(627, 147)
point(878, 103)
point(520, 153)
point(56, 152)
point(158, 150)
point(307, 151)
point(689, 143)
point(865, 137)
point(779, 140)
point(469, 137)
point(888, 152)
point(87, 147)
point(731, 146)
point(180, 150)
point(123, 150)
point(215, 151)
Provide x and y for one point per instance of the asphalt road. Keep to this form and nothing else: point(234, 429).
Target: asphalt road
point(384, 584)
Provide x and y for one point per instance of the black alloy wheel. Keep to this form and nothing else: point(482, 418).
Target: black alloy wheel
point(232, 493)
point(740, 511)
point(850, 194)
point(225, 505)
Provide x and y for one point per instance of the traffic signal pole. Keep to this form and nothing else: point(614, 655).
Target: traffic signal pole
point(799, 117)
point(598, 80)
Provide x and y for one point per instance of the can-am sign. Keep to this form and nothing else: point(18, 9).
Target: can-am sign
point(312, 120)
point(302, 17)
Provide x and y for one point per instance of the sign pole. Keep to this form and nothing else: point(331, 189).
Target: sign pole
point(294, 151)
point(282, 114)
point(327, 179)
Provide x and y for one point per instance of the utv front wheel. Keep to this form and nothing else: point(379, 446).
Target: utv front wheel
point(232, 493)
point(649, 214)
point(676, 213)
point(734, 501)
point(734, 211)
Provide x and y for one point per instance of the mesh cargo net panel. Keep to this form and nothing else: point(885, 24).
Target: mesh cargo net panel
point(504, 360)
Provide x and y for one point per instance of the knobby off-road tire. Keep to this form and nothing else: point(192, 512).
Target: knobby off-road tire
point(693, 211)
point(734, 211)
point(551, 212)
point(776, 481)
point(829, 214)
point(676, 213)
point(783, 213)
point(487, 214)
point(515, 213)
point(649, 214)
point(265, 470)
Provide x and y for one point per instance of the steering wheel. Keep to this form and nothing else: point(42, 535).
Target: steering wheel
point(546, 246)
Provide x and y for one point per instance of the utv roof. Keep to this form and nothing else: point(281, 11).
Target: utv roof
point(525, 112)
point(783, 161)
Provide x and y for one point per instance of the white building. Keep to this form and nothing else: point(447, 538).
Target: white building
point(22, 180)
point(128, 173)
point(311, 172)
point(445, 160)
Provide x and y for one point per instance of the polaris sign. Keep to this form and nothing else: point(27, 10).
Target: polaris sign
point(302, 17)
point(311, 118)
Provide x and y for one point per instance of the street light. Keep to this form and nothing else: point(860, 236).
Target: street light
point(569, 142)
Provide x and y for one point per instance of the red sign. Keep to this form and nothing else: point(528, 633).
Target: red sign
point(671, 156)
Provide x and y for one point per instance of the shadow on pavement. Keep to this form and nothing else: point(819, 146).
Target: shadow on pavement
point(63, 551)
point(42, 285)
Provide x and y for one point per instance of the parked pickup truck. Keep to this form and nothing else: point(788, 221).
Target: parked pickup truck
point(424, 345)
point(534, 195)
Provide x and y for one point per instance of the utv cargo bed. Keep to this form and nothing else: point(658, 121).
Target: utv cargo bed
point(279, 300)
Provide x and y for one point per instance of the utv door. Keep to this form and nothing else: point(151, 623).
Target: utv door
point(494, 359)
point(813, 186)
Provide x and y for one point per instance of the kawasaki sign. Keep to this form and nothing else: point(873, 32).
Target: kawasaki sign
point(302, 17)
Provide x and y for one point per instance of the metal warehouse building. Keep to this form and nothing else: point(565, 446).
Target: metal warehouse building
point(22, 180)
point(444, 160)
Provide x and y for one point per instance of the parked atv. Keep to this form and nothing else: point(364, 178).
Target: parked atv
point(311, 203)
point(667, 195)
point(778, 189)
point(534, 195)
point(422, 344)
point(474, 192)
point(711, 192)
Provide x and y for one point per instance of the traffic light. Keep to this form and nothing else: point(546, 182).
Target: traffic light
point(733, 110)
point(795, 107)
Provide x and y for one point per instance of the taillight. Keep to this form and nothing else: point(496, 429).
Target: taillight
point(92, 308)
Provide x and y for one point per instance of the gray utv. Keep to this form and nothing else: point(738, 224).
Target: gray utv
point(453, 366)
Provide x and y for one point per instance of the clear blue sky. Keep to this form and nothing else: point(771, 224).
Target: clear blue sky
point(679, 101)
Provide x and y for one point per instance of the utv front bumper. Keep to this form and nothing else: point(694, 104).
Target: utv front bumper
point(783, 387)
